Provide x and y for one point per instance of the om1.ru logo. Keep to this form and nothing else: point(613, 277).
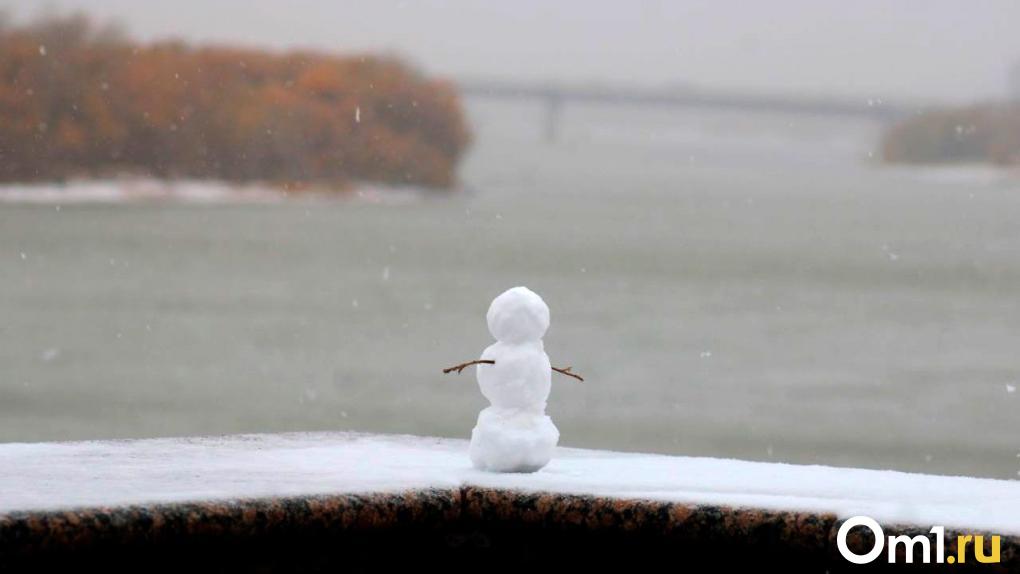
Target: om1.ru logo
point(908, 545)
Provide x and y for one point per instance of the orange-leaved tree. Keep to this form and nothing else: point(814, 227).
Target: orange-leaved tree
point(80, 101)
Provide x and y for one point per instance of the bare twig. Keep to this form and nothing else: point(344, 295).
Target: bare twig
point(463, 366)
point(566, 371)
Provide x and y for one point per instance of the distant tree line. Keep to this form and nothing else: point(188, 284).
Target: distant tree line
point(981, 133)
point(77, 100)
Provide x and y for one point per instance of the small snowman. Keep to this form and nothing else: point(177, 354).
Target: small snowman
point(515, 434)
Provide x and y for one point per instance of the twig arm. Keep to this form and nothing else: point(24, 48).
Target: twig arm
point(463, 366)
point(566, 371)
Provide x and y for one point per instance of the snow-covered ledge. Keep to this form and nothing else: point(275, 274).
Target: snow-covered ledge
point(60, 498)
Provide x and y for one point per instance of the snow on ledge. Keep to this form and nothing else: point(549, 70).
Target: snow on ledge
point(50, 476)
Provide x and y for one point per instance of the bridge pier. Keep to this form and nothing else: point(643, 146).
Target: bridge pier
point(553, 112)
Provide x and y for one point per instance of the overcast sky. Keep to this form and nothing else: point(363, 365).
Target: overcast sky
point(906, 49)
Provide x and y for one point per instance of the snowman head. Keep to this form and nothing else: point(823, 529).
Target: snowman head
point(518, 315)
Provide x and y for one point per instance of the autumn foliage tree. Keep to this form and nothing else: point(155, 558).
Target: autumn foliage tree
point(81, 101)
point(980, 133)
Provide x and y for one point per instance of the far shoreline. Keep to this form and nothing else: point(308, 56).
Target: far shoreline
point(142, 190)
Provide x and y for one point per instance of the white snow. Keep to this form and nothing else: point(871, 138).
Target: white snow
point(512, 440)
point(56, 475)
point(110, 473)
point(193, 191)
point(514, 434)
point(521, 377)
point(518, 315)
point(136, 189)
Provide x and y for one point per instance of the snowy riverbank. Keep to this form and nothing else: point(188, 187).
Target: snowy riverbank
point(187, 191)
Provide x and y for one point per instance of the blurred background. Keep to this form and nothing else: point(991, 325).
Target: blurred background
point(783, 232)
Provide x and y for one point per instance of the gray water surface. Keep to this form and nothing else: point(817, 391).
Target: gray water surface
point(730, 285)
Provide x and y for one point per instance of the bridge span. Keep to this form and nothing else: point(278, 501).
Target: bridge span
point(556, 97)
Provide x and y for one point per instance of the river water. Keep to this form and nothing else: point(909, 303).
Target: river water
point(730, 284)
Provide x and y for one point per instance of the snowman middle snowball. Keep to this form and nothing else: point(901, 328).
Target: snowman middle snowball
point(515, 434)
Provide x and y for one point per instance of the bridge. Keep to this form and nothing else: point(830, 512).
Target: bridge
point(555, 97)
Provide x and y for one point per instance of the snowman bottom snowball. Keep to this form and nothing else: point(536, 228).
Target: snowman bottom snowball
point(507, 440)
point(514, 374)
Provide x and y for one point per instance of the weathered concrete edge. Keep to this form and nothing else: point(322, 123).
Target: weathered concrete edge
point(809, 535)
